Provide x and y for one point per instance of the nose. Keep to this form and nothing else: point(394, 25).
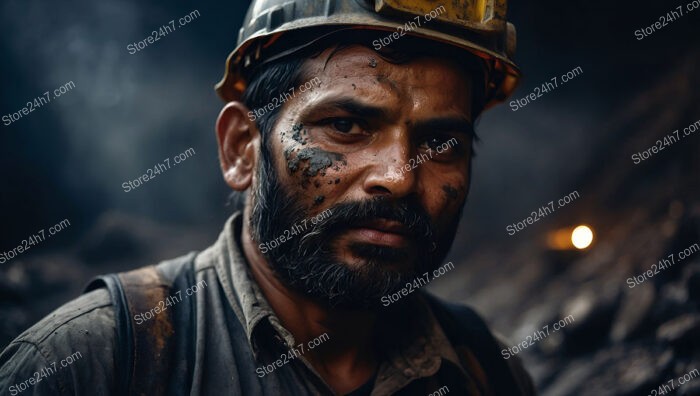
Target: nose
point(391, 172)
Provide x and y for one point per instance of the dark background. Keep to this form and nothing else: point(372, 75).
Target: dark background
point(68, 159)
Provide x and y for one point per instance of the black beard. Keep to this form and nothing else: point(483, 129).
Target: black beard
point(307, 262)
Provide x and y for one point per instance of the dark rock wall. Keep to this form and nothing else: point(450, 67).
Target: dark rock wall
point(626, 337)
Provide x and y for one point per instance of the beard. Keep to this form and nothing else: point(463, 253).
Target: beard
point(310, 262)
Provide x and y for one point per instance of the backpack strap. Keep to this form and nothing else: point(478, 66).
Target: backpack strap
point(465, 327)
point(144, 344)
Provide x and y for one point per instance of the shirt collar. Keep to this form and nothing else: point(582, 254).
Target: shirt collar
point(242, 292)
point(415, 345)
point(420, 352)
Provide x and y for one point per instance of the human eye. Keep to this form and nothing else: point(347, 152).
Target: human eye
point(445, 145)
point(345, 126)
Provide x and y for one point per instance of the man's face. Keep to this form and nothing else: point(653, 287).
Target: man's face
point(384, 149)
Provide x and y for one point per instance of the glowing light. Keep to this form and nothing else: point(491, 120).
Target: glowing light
point(581, 237)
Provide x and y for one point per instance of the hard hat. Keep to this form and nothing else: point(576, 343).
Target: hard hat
point(275, 28)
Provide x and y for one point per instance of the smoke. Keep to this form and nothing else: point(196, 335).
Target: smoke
point(127, 112)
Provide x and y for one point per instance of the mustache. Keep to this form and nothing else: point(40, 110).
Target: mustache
point(350, 214)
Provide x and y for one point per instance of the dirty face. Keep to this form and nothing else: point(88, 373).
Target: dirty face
point(380, 152)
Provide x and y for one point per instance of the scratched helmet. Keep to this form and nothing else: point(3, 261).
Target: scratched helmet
point(273, 29)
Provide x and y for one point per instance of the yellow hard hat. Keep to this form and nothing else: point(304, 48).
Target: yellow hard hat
point(276, 28)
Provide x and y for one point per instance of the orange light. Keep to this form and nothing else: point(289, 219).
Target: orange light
point(582, 237)
point(570, 238)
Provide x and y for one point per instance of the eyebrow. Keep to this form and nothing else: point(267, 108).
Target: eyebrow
point(363, 110)
point(452, 124)
point(356, 108)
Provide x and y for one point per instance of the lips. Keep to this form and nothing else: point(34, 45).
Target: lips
point(383, 232)
point(386, 225)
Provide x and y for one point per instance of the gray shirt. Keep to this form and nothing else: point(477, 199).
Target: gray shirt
point(72, 350)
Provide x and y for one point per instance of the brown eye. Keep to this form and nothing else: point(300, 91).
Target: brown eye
point(443, 144)
point(343, 125)
point(346, 126)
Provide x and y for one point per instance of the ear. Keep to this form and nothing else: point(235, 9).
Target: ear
point(239, 142)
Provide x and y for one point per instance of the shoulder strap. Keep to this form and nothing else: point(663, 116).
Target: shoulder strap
point(144, 343)
point(124, 342)
point(463, 326)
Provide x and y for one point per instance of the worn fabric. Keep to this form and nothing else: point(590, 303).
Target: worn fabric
point(235, 335)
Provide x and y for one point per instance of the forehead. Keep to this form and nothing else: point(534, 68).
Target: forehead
point(426, 84)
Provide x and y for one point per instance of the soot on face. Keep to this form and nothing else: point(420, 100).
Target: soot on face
point(312, 161)
point(297, 132)
point(450, 192)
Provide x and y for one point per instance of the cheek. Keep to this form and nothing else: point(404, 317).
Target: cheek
point(452, 197)
point(453, 194)
point(447, 187)
point(444, 200)
point(315, 173)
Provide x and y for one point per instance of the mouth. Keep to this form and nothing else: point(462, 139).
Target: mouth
point(382, 232)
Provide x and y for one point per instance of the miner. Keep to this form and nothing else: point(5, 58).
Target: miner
point(306, 317)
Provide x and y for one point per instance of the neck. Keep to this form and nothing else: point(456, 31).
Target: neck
point(346, 358)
